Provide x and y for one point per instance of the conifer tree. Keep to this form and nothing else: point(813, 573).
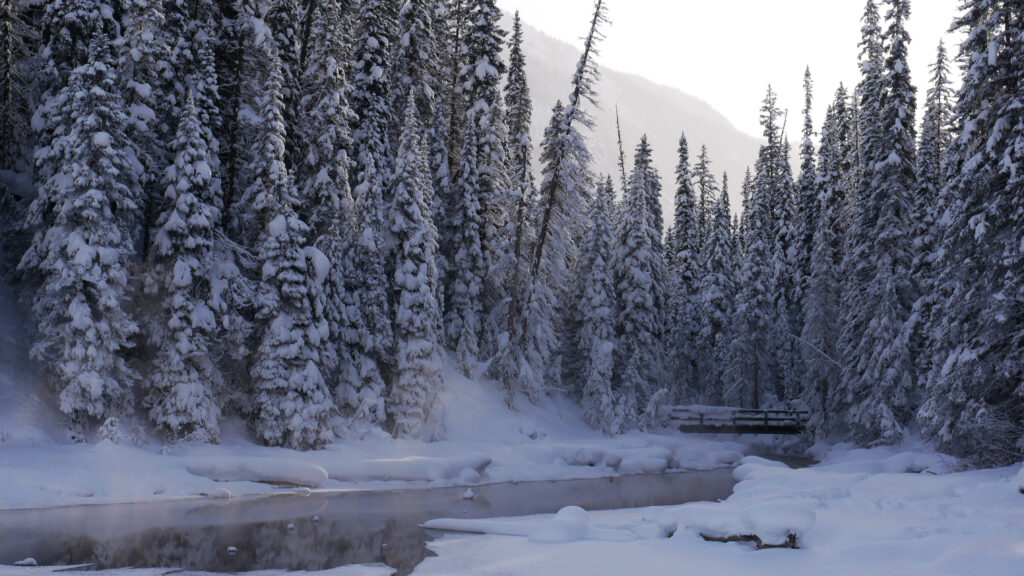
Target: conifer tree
point(752, 370)
point(292, 402)
point(16, 37)
point(821, 303)
point(684, 275)
point(418, 378)
point(596, 337)
point(973, 406)
point(480, 190)
point(928, 208)
point(807, 207)
point(878, 375)
point(322, 175)
point(639, 322)
point(369, 334)
point(707, 192)
point(565, 184)
point(80, 251)
point(182, 388)
point(716, 291)
point(508, 363)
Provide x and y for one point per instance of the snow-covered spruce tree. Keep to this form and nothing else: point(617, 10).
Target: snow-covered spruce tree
point(716, 290)
point(480, 190)
point(565, 184)
point(322, 174)
point(181, 389)
point(287, 20)
point(821, 304)
point(417, 65)
point(684, 274)
point(361, 394)
point(522, 193)
point(974, 405)
point(596, 337)
point(418, 378)
point(639, 324)
point(879, 373)
point(145, 69)
point(806, 198)
point(707, 191)
point(292, 402)
point(529, 364)
point(80, 252)
point(928, 208)
point(16, 37)
point(16, 137)
point(752, 370)
point(785, 288)
point(67, 28)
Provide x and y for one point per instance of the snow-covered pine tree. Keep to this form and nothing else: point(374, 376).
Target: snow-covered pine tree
point(821, 303)
point(418, 378)
point(181, 390)
point(928, 208)
point(145, 72)
point(785, 288)
point(639, 325)
point(286, 20)
point(974, 404)
point(596, 337)
point(807, 207)
point(752, 369)
point(716, 290)
point(707, 191)
point(879, 372)
point(522, 193)
point(293, 405)
point(369, 335)
point(322, 174)
point(80, 251)
point(565, 184)
point(481, 209)
point(417, 64)
point(16, 37)
point(684, 274)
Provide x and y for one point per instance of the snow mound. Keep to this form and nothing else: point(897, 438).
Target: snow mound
point(774, 524)
point(570, 524)
point(262, 470)
point(467, 468)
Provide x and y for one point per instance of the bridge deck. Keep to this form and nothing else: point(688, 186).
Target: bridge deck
point(727, 420)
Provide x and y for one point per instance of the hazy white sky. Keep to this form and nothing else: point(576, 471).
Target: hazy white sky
point(727, 51)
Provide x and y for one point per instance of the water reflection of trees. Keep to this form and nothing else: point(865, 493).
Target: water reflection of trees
point(297, 544)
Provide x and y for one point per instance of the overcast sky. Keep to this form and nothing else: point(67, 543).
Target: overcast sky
point(727, 51)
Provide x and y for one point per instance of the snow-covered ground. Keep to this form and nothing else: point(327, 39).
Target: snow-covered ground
point(485, 442)
point(881, 512)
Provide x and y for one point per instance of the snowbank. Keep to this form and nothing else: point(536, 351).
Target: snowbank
point(354, 570)
point(485, 442)
point(1020, 480)
point(570, 524)
point(265, 470)
point(467, 468)
point(883, 511)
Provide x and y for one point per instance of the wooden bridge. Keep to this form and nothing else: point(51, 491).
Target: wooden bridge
point(726, 420)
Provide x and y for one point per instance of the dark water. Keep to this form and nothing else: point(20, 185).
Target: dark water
point(313, 532)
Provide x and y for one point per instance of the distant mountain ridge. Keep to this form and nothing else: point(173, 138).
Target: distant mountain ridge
point(644, 107)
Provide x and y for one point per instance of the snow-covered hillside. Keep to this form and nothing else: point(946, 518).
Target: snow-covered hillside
point(659, 111)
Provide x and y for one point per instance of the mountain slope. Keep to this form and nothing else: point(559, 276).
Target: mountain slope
point(645, 107)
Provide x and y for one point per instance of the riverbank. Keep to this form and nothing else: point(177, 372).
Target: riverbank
point(485, 442)
point(884, 511)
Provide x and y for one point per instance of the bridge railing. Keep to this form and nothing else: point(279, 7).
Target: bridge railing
point(738, 420)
